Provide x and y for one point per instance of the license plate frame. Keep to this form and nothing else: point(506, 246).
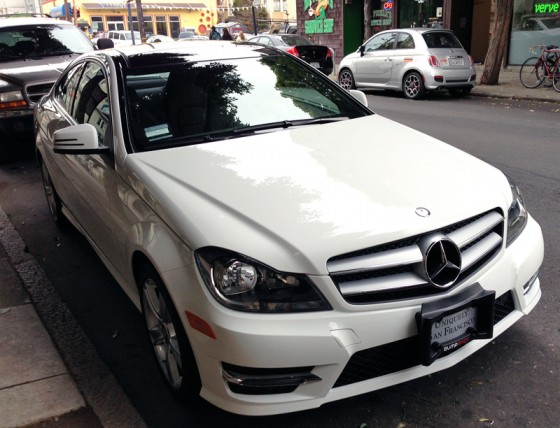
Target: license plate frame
point(315, 64)
point(474, 306)
point(456, 61)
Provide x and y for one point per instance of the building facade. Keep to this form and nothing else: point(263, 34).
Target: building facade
point(339, 24)
point(159, 16)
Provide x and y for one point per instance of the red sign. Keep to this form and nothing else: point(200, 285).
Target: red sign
point(388, 5)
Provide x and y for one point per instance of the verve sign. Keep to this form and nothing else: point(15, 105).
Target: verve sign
point(547, 7)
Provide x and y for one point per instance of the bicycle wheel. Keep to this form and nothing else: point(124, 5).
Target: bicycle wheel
point(532, 72)
point(556, 77)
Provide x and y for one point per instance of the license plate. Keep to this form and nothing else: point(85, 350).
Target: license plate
point(453, 327)
point(456, 61)
point(315, 64)
point(448, 324)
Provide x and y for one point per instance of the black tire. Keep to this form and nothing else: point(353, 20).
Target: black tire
point(460, 92)
point(170, 345)
point(532, 75)
point(346, 79)
point(413, 86)
point(53, 200)
point(556, 79)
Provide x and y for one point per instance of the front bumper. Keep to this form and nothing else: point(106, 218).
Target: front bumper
point(319, 354)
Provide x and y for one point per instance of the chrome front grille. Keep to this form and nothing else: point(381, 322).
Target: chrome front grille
point(35, 92)
point(394, 270)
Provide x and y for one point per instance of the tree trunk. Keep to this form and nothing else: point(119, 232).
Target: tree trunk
point(368, 14)
point(498, 43)
point(140, 17)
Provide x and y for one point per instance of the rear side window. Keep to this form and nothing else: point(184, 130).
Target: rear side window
point(405, 41)
point(441, 39)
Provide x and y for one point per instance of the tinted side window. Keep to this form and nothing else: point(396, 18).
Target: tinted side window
point(92, 101)
point(66, 90)
point(405, 41)
point(380, 42)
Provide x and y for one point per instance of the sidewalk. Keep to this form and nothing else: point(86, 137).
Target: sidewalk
point(36, 387)
point(509, 86)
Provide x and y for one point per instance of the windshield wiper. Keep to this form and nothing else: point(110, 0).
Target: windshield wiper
point(286, 124)
point(262, 127)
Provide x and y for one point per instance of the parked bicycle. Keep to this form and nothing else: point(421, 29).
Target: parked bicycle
point(536, 69)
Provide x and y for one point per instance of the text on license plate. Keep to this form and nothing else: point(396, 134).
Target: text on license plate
point(456, 61)
point(454, 325)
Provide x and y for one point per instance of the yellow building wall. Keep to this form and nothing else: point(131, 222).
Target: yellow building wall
point(200, 14)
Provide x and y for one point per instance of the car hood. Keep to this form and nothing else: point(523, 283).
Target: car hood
point(295, 198)
point(35, 70)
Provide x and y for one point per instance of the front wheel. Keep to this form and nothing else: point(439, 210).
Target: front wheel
point(532, 73)
point(413, 86)
point(346, 79)
point(168, 338)
point(53, 200)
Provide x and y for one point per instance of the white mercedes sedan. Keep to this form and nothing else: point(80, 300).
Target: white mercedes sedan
point(286, 246)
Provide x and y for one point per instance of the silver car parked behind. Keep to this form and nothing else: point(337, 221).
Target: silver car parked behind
point(411, 60)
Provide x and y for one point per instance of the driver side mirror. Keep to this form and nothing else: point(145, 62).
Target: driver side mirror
point(362, 49)
point(78, 140)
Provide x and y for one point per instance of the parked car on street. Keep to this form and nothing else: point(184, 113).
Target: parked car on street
point(157, 38)
point(319, 56)
point(190, 35)
point(125, 37)
point(413, 61)
point(33, 52)
point(282, 257)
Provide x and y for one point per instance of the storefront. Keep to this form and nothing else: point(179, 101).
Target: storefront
point(340, 24)
point(159, 17)
point(535, 22)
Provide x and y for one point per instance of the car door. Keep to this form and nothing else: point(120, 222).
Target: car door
point(89, 177)
point(375, 65)
point(404, 54)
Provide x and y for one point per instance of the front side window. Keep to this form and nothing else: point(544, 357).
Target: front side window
point(380, 42)
point(66, 89)
point(92, 101)
point(190, 104)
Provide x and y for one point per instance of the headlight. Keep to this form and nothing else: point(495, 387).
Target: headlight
point(241, 283)
point(12, 99)
point(517, 215)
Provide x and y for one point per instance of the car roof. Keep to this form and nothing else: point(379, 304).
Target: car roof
point(139, 56)
point(12, 21)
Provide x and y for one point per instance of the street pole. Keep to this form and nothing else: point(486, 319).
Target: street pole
point(254, 17)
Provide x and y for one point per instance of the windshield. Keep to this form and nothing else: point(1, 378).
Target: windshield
point(209, 101)
point(41, 41)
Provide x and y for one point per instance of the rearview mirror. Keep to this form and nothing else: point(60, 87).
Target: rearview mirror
point(78, 140)
point(362, 49)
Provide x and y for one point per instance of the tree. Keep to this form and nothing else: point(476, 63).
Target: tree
point(368, 13)
point(498, 43)
point(243, 13)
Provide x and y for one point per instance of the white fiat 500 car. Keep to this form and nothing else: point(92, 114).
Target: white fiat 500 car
point(411, 60)
point(286, 246)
